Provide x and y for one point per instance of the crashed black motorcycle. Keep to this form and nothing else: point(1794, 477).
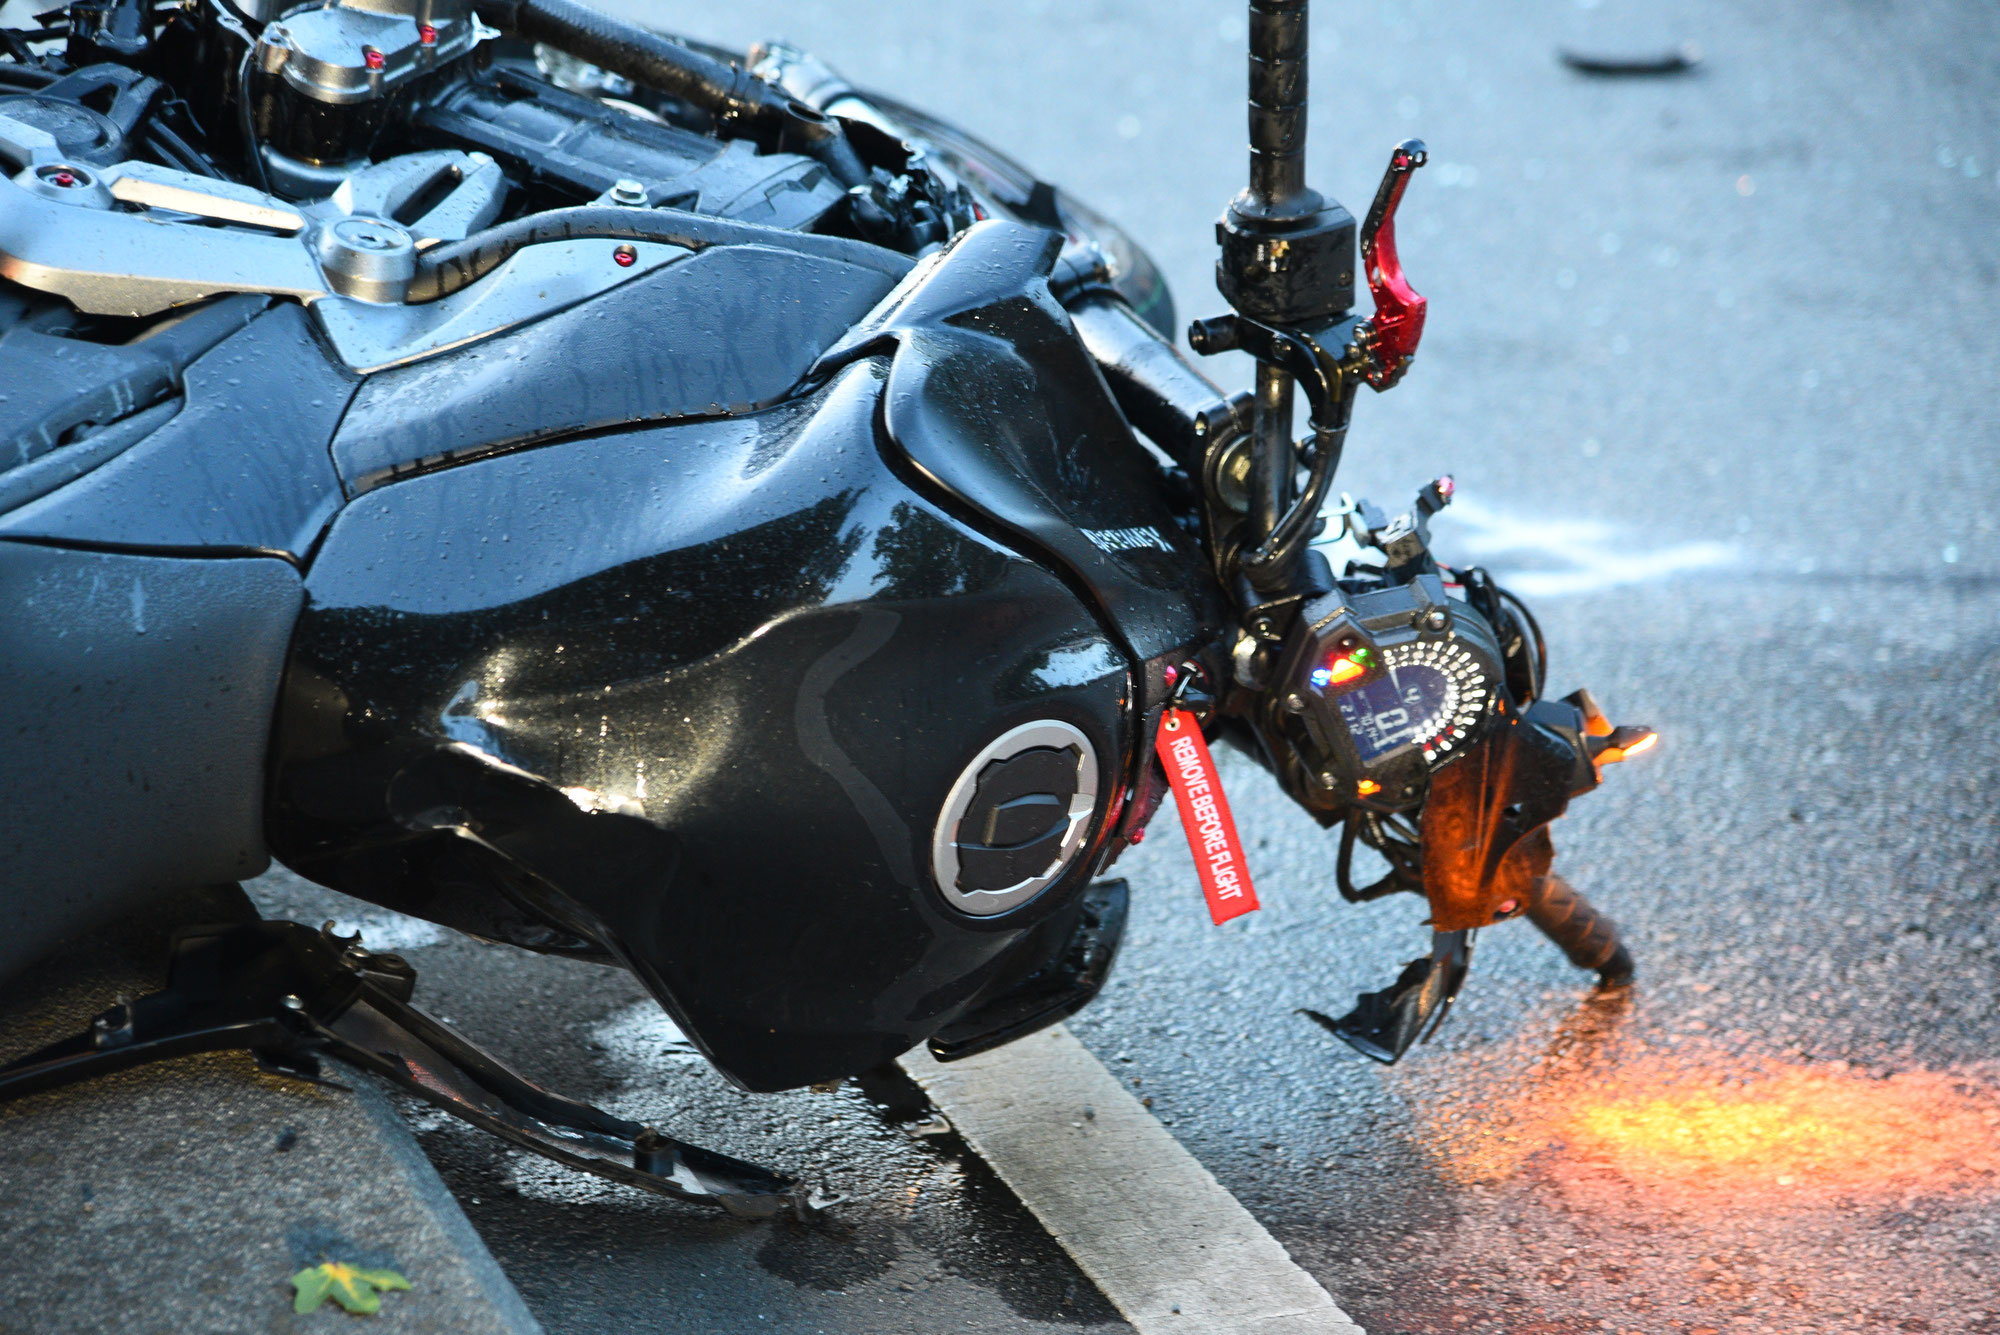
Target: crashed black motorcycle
point(566, 484)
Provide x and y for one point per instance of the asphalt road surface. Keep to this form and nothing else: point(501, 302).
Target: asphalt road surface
point(1713, 358)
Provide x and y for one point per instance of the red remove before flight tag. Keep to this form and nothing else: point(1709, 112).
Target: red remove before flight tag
point(1211, 830)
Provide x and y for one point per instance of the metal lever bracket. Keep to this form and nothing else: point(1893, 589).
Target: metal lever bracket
point(1328, 365)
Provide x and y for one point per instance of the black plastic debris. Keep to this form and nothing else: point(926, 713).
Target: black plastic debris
point(1679, 60)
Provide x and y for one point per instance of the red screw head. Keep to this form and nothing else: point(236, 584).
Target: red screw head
point(371, 58)
point(64, 179)
point(1172, 674)
point(427, 35)
point(625, 256)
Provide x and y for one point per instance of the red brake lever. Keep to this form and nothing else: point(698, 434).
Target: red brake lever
point(1391, 337)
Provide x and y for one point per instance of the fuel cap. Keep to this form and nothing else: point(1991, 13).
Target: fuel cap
point(1015, 818)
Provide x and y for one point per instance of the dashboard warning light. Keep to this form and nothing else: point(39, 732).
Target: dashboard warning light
point(1339, 672)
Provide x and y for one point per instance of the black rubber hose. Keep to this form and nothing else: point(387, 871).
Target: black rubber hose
point(178, 152)
point(1588, 937)
point(725, 90)
point(444, 269)
point(1294, 531)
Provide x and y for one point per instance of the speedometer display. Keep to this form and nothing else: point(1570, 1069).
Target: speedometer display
point(1430, 694)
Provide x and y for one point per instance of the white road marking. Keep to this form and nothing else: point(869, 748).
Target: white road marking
point(1589, 554)
point(1168, 1245)
point(1591, 548)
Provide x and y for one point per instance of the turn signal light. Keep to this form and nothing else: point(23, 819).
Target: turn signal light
point(1623, 742)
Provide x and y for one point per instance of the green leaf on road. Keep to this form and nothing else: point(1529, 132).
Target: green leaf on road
point(353, 1288)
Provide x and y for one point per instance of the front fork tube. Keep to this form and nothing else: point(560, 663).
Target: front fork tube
point(1272, 460)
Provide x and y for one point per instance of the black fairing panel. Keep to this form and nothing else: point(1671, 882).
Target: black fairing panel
point(995, 402)
point(731, 329)
point(694, 694)
point(243, 465)
point(135, 703)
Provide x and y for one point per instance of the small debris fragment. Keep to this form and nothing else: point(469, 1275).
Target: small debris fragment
point(287, 1139)
point(1677, 61)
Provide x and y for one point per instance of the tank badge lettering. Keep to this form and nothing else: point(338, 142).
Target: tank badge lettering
point(1211, 830)
point(1115, 540)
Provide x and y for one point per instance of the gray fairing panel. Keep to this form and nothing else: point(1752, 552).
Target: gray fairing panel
point(135, 703)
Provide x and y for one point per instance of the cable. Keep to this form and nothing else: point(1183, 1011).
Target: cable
point(1534, 631)
point(251, 150)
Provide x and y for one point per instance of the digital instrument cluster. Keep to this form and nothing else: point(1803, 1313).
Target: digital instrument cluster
point(1385, 686)
point(1429, 694)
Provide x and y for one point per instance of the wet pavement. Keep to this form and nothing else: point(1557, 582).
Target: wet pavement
point(185, 1195)
point(926, 1241)
point(1711, 358)
point(1791, 1123)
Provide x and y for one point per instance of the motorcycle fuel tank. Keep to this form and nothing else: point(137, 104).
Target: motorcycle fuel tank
point(811, 714)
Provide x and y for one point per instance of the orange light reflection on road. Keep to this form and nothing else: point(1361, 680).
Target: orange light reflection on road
point(1615, 1173)
point(1788, 1126)
point(1695, 1125)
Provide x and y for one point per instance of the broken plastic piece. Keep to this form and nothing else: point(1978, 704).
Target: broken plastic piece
point(1383, 1025)
point(1677, 61)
